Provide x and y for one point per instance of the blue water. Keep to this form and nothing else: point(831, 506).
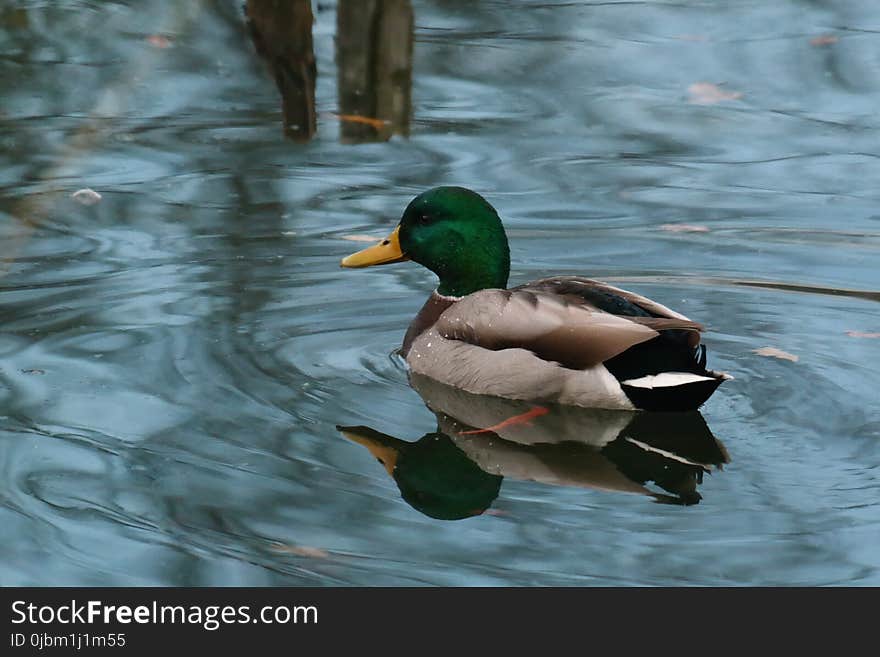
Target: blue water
point(175, 359)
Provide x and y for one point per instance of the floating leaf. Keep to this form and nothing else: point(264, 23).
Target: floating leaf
point(361, 238)
point(862, 334)
point(773, 352)
point(86, 196)
point(159, 41)
point(706, 93)
point(823, 40)
point(684, 228)
point(366, 120)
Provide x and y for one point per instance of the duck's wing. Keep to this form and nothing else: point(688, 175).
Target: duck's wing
point(601, 295)
point(571, 330)
point(665, 373)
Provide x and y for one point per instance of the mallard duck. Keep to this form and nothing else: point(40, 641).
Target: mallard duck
point(565, 339)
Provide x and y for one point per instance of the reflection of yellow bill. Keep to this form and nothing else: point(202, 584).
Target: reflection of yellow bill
point(383, 253)
point(380, 445)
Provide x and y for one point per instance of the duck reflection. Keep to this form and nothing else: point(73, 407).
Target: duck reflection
point(456, 471)
point(374, 50)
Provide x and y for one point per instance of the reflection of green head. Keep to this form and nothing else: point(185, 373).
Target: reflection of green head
point(437, 479)
point(433, 475)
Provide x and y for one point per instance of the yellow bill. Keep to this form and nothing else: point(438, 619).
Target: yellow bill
point(383, 253)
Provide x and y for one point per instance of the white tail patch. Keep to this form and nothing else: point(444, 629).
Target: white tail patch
point(666, 380)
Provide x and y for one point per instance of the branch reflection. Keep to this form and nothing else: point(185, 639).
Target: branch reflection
point(374, 43)
point(282, 35)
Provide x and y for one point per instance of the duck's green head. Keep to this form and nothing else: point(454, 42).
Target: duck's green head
point(452, 231)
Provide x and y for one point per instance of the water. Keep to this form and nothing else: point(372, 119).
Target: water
point(174, 360)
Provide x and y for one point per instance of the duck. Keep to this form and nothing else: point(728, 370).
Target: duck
point(565, 340)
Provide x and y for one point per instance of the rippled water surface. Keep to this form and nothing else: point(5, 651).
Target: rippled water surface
point(175, 359)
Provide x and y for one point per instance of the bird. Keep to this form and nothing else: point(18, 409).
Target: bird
point(565, 340)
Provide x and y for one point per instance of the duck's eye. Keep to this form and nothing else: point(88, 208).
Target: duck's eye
point(425, 219)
